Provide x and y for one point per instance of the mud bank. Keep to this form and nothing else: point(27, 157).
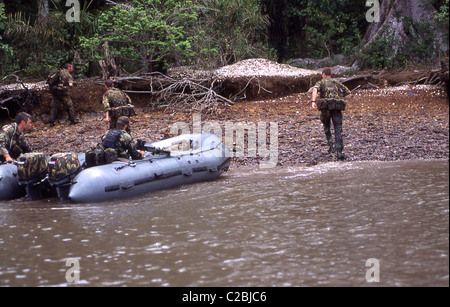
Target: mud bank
point(398, 123)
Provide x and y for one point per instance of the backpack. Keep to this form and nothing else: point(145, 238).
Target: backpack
point(95, 156)
point(331, 96)
point(53, 79)
point(329, 89)
point(104, 153)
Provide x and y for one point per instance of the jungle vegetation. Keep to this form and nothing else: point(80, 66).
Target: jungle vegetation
point(151, 35)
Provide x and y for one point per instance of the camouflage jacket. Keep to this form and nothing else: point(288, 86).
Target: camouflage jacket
point(330, 89)
point(9, 137)
point(123, 144)
point(114, 98)
point(62, 87)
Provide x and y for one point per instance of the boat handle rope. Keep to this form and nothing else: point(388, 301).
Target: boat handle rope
point(135, 163)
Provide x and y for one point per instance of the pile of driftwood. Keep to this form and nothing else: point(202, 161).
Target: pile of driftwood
point(187, 94)
point(211, 91)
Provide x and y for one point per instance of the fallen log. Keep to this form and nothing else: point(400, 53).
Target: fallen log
point(16, 100)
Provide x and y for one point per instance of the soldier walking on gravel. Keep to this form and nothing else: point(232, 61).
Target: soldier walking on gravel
point(60, 82)
point(116, 104)
point(331, 105)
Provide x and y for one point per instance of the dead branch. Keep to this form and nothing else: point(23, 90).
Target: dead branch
point(18, 80)
point(190, 96)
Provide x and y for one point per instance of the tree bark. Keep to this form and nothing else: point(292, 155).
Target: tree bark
point(109, 66)
point(43, 11)
point(392, 17)
point(276, 9)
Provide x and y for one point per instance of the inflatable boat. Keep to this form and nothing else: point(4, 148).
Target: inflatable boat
point(9, 183)
point(169, 163)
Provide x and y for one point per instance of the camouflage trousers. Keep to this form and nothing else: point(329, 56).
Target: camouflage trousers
point(66, 102)
point(335, 116)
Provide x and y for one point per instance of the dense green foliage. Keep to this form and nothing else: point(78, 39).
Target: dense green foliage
point(156, 34)
point(232, 30)
point(6, 52)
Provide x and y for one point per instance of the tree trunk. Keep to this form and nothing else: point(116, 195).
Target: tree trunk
point(43, 11)
point(276, 10)
point(393, 14)
point(109, 66)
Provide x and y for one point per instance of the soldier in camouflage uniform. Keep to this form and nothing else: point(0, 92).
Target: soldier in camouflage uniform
point(116, 143)
point(60, 83)
point(331, 105)
point(12, 139)
point(116, 104)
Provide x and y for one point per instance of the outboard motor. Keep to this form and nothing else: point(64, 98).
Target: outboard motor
point(62, 169)
point(32, 173)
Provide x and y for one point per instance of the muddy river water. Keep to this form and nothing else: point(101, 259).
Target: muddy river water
point(335, 224)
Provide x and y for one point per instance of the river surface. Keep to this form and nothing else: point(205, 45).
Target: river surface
point(337, 224)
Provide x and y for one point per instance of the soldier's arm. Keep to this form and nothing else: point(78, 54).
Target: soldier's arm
point(315, 94)
point(135, 154)
point(7, 158)
point(70, 80)
point(314, 98)
point(4, 152)
point(127, 142)
point(3, 143)
point(106, 107)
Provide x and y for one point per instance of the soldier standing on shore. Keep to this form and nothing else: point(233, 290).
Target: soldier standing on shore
point(116, 104)
point(60, 82)
point(12, 139)
point(331, 105)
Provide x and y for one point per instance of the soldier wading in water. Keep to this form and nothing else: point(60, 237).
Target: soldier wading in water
point(331, 105)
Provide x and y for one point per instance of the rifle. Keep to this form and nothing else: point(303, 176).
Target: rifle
point(140, 145)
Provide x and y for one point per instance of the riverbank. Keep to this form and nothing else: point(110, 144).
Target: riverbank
point(390, 124)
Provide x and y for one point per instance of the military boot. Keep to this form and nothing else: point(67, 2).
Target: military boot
point(340, 156)
point(72, 117)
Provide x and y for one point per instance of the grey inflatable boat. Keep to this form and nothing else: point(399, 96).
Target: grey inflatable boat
point(9, 183)
point(169, 163)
